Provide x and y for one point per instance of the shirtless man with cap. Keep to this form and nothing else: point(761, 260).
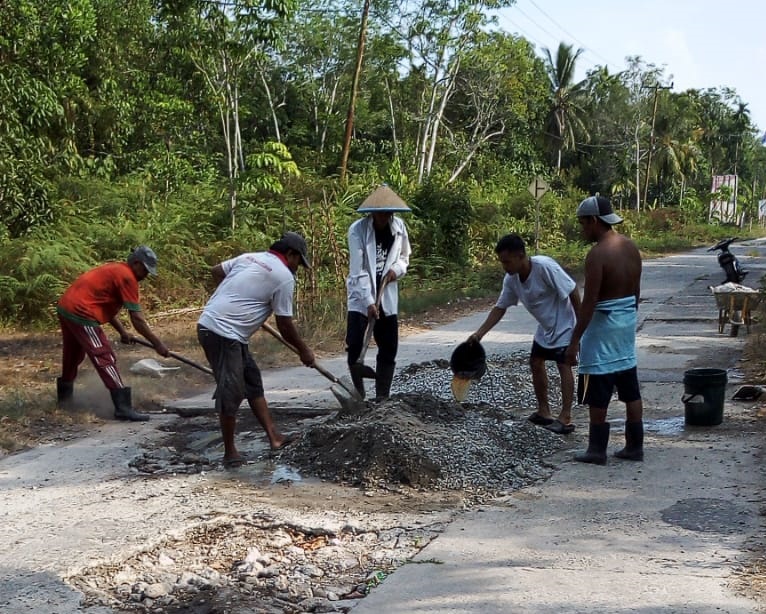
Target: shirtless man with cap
point(605, 333)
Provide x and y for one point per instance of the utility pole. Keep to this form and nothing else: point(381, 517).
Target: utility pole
point(638, 169)
point(656, 87)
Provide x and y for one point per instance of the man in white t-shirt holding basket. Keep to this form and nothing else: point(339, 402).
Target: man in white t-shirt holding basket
point(550, 295)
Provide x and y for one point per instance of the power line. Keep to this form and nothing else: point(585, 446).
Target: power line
point(572, 36)
point(524, 34)
point(518, 8)
point(542, 45)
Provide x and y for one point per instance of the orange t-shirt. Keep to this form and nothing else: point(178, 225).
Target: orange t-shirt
point(96, 296)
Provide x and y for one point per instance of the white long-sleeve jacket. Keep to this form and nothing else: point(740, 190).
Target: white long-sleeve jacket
point(360, 283)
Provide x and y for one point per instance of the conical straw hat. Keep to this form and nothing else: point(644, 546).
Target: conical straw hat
point(383, 199)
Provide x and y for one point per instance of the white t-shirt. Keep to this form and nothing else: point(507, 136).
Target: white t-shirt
point(545, 294)
point(256, 285)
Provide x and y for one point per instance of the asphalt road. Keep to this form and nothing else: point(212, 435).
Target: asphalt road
point(659, 536)
point(662, 536)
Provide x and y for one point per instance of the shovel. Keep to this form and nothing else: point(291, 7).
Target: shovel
point(349, 397)
point(359, 369)
point(183, 359)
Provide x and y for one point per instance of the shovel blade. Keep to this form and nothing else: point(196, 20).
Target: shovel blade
point(149, 366)
point(348, 403)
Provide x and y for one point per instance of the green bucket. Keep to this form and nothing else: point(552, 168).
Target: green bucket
point(704, 393)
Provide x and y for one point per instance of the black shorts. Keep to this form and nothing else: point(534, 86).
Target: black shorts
point(595, 390)
point(237, 377)
point(556, 354)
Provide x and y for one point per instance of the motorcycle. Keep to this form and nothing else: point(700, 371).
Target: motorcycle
point(728, 261)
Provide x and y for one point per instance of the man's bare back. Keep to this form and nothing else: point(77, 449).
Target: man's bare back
point(616, 263)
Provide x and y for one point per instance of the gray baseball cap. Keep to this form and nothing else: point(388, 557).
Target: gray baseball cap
point(146, 256)
point(599, 207)
point(296, 242)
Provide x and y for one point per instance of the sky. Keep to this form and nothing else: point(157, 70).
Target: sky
point(701, 43)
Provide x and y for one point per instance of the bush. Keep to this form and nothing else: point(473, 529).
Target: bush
point(444, 216)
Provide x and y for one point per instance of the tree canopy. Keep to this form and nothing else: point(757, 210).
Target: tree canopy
point(204, 123)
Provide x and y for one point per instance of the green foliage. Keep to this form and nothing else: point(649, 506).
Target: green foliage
point(444, 215)
point(31, 271)
point(154, 122)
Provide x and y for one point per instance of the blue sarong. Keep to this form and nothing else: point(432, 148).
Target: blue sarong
point(609, 343)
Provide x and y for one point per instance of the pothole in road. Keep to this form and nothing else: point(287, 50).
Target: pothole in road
point(418, 441)
point(253, 564)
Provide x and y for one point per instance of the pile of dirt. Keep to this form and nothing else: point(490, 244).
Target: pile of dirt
point(425, 442)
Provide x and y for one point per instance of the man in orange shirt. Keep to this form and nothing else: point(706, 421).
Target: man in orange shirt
point(93, 299)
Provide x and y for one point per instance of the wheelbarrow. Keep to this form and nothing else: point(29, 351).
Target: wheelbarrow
point(735, 305)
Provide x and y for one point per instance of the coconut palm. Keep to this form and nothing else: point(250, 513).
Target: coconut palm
point(741, 119)
point(676, 160)
point(566, 113)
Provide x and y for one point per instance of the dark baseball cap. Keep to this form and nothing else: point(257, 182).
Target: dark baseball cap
point(599, 207)
point(146, 256)
point(297, 243)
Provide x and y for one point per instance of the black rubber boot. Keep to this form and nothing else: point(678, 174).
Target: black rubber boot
point(634, 442)
point(598, 440)
point(64, 393)
point(384, 376)
point(358, 380)
point(123, 408)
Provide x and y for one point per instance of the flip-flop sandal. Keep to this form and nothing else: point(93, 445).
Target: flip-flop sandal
point(233, 463)
point(557, 426)
point(539, 420)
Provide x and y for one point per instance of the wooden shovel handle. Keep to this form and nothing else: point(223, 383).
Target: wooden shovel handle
point(276, 334)
point(371, 323)
point(178, 357)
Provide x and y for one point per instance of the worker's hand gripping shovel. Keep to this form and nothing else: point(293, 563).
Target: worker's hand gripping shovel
point(348, 397)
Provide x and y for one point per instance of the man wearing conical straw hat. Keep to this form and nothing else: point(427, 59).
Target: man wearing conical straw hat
point(379, 253)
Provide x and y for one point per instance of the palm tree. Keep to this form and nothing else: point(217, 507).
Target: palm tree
point(565, 116)
point(741, 126)
point(676, 159)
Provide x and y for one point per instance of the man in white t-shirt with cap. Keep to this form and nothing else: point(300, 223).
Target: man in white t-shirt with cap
point(550, 295)
point(250, 288)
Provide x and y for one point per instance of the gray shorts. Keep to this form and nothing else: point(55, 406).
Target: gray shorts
point(237, 377)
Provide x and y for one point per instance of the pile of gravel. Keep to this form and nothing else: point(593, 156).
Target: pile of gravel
point(422, 439)
point(506, 385)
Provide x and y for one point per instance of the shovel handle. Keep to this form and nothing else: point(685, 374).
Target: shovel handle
point(276, 334)
point(371, 324)
point(349, 399)
point(178, 357)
